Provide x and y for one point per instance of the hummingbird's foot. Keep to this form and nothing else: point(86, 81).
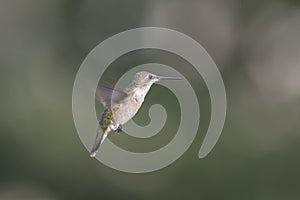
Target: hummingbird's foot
point(119, 129)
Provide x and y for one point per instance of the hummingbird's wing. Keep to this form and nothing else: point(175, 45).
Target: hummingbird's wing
point(106, 95)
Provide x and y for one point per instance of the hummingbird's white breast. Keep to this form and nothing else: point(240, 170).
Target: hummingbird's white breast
point(126, 109)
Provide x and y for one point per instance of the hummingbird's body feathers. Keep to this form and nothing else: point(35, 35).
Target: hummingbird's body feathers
point(126, 109)
point(121, 106)
point(106, 118)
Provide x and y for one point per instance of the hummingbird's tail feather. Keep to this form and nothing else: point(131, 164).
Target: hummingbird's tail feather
point(100, 137)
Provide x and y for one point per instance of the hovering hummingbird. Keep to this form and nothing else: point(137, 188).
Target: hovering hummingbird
point(121, 106)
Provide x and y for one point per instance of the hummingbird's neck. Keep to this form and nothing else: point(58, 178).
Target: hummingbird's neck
point(139, 91)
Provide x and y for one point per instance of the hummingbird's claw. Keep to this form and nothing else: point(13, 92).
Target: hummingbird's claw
point(119, 129)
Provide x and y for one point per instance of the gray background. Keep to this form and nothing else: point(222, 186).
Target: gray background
point(256, 46)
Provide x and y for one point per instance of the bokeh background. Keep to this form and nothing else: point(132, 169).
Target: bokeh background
point(256, 46)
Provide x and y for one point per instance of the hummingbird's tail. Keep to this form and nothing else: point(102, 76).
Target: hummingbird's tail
point(100, 136)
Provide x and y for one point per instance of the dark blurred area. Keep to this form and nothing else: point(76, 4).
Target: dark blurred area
point(256, 46)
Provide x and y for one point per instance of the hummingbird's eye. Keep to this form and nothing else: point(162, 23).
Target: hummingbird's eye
point(150, 77)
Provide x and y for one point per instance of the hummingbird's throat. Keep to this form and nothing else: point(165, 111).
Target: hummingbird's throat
point(142, 91)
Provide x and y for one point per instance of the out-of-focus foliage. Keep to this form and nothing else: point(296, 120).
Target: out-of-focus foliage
point(256, 46)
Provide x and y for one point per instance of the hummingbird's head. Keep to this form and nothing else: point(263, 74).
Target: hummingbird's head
point(146, 79)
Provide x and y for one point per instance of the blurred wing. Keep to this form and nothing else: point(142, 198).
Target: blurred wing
point(107, 95)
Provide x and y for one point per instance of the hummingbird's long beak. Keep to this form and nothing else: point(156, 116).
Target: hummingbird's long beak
point(169, 78)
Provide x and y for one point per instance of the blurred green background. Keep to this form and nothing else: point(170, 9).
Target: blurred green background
point(256, 46)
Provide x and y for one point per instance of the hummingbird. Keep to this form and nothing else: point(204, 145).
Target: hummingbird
point(121, 106)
